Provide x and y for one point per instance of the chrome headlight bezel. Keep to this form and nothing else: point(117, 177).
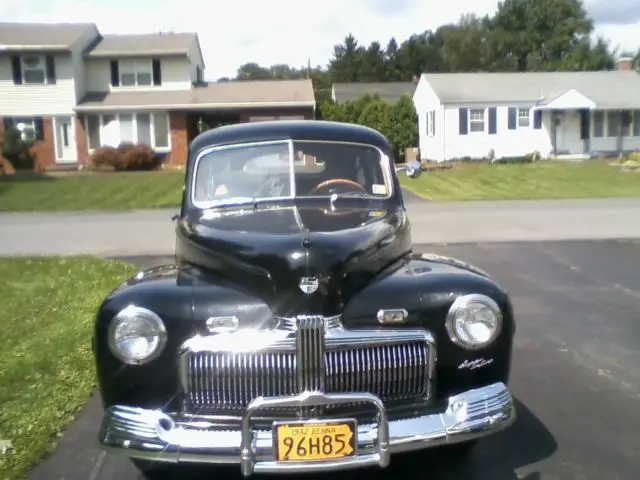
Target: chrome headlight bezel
point(464, 302)
point(128, 313)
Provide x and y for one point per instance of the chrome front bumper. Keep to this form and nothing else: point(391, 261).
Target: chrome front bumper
point(156, 436)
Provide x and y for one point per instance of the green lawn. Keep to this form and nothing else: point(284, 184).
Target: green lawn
point(91, 191)
point(540, 180)
point(46, 363)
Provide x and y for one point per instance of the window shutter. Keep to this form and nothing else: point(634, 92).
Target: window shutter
point(537, 119)
point(115, 74)
point(493, 122)
point(51, 69)
point(513, 117)
point(8, 124)
point(463, 121)
point(17, 70)
point(157, 71)
point(39, 126)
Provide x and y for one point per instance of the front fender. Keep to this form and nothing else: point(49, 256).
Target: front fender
point(426, 286)
point(184, 297)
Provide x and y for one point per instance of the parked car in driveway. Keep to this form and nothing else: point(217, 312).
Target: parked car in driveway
point(297, 330)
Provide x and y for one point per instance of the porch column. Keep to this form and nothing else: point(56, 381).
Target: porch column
point(554, 131)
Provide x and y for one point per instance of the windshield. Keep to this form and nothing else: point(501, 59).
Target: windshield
point(244, 173)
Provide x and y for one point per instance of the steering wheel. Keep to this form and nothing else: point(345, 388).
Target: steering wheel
point(343, 181)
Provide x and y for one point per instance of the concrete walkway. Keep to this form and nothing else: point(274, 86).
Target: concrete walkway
point(151, 232)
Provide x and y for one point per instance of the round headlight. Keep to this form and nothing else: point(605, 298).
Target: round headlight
point(474, 321)
point(137, 335)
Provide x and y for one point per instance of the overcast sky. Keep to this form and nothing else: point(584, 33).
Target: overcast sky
point(233, 32)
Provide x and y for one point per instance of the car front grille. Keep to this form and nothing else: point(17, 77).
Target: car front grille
point(394, 369)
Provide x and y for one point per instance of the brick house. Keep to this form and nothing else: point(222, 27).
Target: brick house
point(74, 90)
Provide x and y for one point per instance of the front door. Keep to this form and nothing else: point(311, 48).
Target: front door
point(65, 140)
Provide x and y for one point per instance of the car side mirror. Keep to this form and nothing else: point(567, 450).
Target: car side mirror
point(412, 169)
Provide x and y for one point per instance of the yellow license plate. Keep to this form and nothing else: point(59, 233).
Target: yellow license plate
point(315, 441)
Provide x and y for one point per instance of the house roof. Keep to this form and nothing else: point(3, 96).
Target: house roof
point(144, 44)
point(388, 91)
point(42, 36)
point(607, 89)
point(225, 95)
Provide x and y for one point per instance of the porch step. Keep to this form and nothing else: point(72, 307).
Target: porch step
point(62, 167)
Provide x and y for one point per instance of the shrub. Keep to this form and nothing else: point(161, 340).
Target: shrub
point(136, 157)
point(126, 156)
point(17, 151)
point(105, 157)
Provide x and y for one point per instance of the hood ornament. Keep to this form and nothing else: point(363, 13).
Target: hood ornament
point(308, 285)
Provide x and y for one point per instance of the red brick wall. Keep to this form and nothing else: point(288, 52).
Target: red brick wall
point(81, 141)
point(43, 150)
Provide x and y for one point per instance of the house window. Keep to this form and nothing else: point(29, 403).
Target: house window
point(430, 123)
point(93, 132)
point(151, 129)
point(135, 72)
point(126, 128)
point(161, 130)
point(613, 123)
point(476, 120)
point(523, 117)
point(598, 124)
point(29, 128)
point(33, 69)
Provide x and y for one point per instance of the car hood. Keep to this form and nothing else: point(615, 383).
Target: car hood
point(278, 253)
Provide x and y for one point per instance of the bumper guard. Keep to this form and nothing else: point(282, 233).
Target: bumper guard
point(157, 436)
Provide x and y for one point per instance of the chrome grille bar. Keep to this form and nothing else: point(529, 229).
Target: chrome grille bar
point(310, 351)
point(391, 364)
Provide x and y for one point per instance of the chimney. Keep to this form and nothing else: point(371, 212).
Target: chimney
point(625, 63)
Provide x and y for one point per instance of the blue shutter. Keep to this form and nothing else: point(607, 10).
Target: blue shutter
point(513, 117)
point(115, 73)
point(51, 69)
point(463, 121)
point(157, 71)
point(493, 122)
point(537, 119)
point(16, 70)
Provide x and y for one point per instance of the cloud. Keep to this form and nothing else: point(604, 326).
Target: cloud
point(279, 31)
point(617, 12)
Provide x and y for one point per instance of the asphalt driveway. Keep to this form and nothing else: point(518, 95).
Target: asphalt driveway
point(575, 374)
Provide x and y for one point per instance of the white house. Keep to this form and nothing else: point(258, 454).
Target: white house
point(559, 114)
point(73, 89)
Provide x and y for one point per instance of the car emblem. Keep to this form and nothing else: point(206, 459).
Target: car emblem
point(308, 284)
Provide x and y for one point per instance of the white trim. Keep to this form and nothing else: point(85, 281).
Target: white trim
point(42, 67)
point(73, 142)
point(140, 66)
point(134, 126)
point(192, 106)
point(477, 122)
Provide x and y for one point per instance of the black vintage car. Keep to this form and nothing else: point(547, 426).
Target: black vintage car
point(297, 330)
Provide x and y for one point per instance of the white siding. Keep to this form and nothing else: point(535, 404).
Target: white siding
point(176, 75)
point(425, 100)
point(78, 62)
point(505, 142)
point(196, 61)
point(25, 100)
